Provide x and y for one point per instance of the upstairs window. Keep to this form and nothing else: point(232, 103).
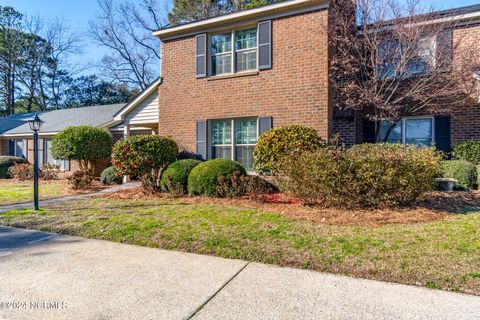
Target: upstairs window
point(398, 60)
point(241, 56)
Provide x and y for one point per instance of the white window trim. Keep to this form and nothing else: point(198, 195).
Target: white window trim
point(476, 76)
point(232, 52)
point(233, 145)
point(404, 127)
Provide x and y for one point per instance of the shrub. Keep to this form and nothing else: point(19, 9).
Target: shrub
point(84, 144)
point(202, 180)
point(80, 180)
point(367, 176)
point(145, 156)
point(278, 144)
point(21, 171)
point(175, 177)
point(468, 151)
point(110, 176)
point(463, 171)
point(6, 162)
point(238, 185)
point(49, 171)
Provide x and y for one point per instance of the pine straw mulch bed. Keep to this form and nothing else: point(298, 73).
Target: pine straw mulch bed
point(434, 206)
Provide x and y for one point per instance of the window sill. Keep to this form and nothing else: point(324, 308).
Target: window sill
point(233, 75)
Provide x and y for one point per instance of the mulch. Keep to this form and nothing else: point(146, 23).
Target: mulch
point(433, 207)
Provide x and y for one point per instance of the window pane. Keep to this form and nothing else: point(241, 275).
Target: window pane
point(419, 132)
point(222, 153)
point(222, 132)
point(221, 43)
point(246, 60)
point(222, 64)
point(246, 39)
point(395, 135)
point(245, 156)
point(246, 131)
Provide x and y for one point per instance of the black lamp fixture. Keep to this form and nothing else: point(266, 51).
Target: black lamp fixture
point(35, 125)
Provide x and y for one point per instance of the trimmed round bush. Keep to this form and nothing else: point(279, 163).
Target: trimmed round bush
point(366, 176)
point(84, 144)
point(174, 178)
point(203, 179)
point(110, 176)
point(277, 144)
point(6, 162)
point(468, 151)
point(463, 171)
point(144, 156)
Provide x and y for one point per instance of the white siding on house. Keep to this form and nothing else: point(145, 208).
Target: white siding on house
point(146, 112)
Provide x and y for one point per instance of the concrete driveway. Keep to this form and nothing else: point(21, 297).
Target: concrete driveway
point(47, 276)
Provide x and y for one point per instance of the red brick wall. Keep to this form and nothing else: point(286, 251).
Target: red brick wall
point(465, 121)
point(294, 91)
point(4, 147)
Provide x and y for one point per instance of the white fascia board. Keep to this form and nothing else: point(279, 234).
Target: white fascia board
point(283, 7)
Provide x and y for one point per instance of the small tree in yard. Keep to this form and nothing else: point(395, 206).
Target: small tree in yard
point(397, 59)
point(144, 156)
point(84, 144)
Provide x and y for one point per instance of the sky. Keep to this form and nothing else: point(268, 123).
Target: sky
point(77, 13)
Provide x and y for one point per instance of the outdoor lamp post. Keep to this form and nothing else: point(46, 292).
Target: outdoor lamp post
point(35, 125)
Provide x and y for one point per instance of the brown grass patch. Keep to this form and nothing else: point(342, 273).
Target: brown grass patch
point(434, 206)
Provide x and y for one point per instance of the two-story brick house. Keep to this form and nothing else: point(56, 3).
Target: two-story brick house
point(227, 79)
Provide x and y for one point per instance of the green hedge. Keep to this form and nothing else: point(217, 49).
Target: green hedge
point(277, 144)
point(174, 178)
point(6, 162)
point(110, 176)
point(463, 171)
point(366, 176)
point(203, 179)
point(468, 151)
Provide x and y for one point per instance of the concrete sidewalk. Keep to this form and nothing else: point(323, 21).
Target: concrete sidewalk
point(48, 276)
point(44, 203)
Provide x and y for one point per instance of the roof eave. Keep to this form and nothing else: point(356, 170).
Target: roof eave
point(256, 13)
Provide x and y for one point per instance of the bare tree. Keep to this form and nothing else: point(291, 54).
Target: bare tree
point(395, 59)
point(125, 28)
point(47, 50)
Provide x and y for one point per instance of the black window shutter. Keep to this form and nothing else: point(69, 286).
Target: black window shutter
point(444, 54)
point(264, 45)
point(264, 124)
point(11, 147)
point(443, 133)
point(369, 135)
point(201, 56)
point(201, 137)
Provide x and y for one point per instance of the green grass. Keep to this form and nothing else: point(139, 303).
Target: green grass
point(441, 255)
point(11, 192)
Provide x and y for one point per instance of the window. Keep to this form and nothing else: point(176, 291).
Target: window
point(241, 56)
point(476, 76)
point(235, 140)
point(48, 158)
point(396, 60)
point(20, 148)
point(416, 130)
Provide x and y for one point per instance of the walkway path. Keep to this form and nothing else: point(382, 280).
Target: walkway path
point(48, 276)
point(43, 203)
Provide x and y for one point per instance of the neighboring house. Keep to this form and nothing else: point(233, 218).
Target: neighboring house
point(139, 116)
point(228, 79)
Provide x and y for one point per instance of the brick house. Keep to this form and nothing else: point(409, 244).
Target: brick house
point(227, 79)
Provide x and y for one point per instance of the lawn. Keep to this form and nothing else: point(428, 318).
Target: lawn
point(442, 254)
point(14, 192)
